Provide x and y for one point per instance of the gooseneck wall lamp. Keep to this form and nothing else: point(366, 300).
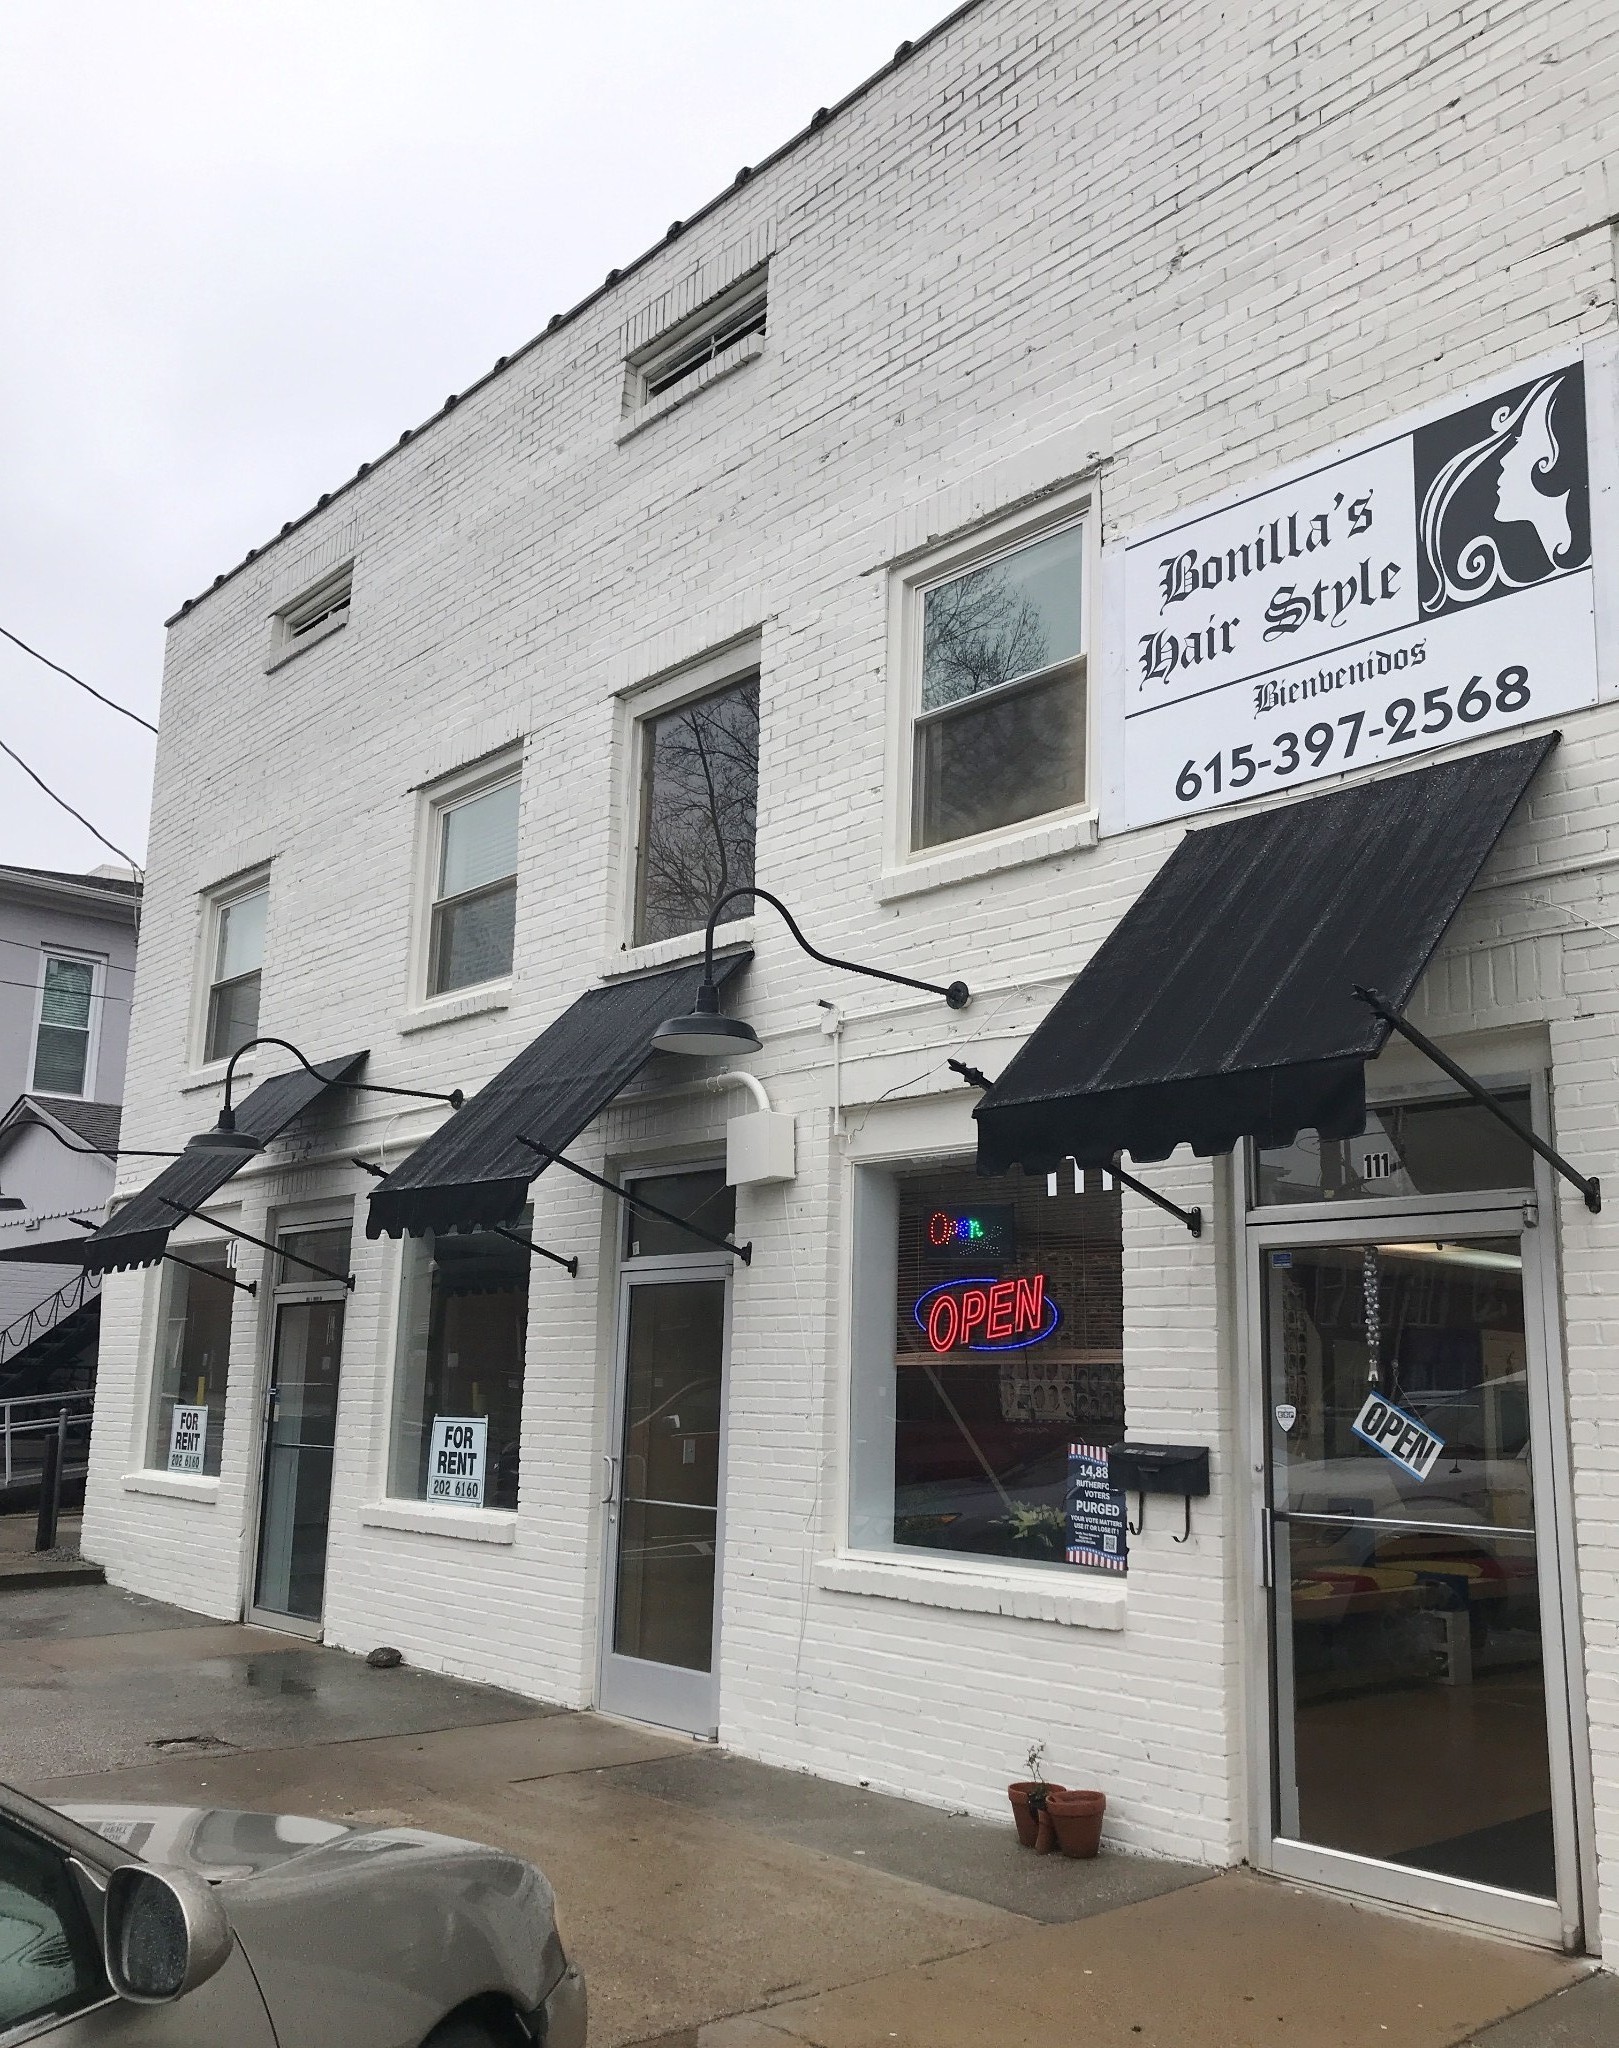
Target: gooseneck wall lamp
point(225, 1137)
point(705, 1034)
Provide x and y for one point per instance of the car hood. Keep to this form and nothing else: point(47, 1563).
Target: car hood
point(216, 1842)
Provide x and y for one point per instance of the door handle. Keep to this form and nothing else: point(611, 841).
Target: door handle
point(611, 1463)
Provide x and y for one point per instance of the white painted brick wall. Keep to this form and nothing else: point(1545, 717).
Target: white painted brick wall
point(1203, 240)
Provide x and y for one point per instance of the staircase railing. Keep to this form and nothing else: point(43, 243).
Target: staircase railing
point(45, 1315)
point(30, 1417)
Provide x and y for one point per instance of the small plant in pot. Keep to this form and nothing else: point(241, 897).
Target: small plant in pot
point(1030, 1797)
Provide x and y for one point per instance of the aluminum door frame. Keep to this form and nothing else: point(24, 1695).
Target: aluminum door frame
point(289, 1294)
point(1556, 1923)
point(636, 1688)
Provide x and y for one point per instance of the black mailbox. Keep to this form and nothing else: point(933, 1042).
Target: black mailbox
point(1160, 1468)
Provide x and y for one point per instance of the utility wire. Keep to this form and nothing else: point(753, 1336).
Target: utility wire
point(110, 703)
point(11, 754)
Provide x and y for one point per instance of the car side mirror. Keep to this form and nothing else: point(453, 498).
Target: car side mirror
point(165, 1933)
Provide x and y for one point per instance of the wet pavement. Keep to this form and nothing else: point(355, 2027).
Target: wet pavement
point(716, 1903)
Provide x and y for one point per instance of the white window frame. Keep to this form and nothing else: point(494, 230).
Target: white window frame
point(97, 963)
point(638, 707)
point(644, 366)
point(907, 869)
point(899, 1138)
point(314, 615)
point(193, 1234)
point(435, 802)
point(215, 902)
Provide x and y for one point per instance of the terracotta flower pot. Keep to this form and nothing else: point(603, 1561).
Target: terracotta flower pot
point(1076, 1818)
point(1028, 1797)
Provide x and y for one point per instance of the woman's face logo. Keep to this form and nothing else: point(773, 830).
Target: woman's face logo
point(1502, 497)
point(1519, 496)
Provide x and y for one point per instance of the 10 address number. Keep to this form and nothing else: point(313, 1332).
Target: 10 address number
point(1237, 767)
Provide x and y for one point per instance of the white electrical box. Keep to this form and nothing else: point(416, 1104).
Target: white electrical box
point(759, 1148)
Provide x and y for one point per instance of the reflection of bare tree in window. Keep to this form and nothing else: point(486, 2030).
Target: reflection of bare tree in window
point(700, 807)
point(978, 631)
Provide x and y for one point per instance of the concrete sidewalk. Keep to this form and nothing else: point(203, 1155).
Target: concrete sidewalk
point(714, 1903)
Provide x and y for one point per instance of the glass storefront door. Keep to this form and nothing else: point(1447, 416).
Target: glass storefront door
point(664, 1502)
point(300, 1432)
point(1420, 1737)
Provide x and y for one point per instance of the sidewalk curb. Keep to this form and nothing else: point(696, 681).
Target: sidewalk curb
point(31, 1577)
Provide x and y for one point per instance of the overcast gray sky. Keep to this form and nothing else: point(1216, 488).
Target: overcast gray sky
point(244, 242)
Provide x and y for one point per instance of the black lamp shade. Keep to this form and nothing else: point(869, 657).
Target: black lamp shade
point(704, 1035)
point(223, 1139)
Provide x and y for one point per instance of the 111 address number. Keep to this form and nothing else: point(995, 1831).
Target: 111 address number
point(1237, 767)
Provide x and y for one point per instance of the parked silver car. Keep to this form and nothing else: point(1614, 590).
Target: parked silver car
point(192, 1927)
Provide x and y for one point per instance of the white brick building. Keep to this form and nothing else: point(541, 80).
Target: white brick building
point(1051, 280)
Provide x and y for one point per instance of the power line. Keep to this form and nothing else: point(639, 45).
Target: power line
point(66, 952)
point(13, 755)
point(110, 703)
point(95, 996)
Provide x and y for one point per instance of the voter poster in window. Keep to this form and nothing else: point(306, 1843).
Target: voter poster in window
point(1433, 586)
point(188, 1438)
point(1096, 1517)
point(456, 1457)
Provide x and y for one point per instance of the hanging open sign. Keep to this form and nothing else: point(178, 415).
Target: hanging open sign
point(985, 1314)
point(1400, 1437)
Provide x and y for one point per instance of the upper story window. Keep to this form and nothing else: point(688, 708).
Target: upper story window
point(699, 808)
point(65, 1035)
point(236, 970)
point(998, 691)
point(727, 331)
point(321, 610)
point(474, 888)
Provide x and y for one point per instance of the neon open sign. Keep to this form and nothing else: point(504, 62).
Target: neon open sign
point(982, 1232)
point(987, 1314)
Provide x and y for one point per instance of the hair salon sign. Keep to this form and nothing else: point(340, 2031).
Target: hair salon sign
point(1422, 588)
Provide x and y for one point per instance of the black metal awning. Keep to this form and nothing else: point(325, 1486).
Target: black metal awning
point(138, 1233)
point(1223, 1003)
point(475, 1169)
point(56, 1251)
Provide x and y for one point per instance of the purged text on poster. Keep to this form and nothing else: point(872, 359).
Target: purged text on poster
point(1435, 587)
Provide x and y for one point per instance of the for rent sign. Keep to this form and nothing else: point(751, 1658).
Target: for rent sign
point(1428, 588)
point(456, 1457)
point(188, 1437)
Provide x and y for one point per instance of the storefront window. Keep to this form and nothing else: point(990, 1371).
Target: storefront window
point(458, 1409)
point(989, 1362)
point(1439, 1147)
point(193, 1361)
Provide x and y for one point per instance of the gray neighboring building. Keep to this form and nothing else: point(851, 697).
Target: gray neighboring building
point(67, 968)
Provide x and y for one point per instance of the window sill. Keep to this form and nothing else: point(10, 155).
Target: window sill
point(1093, 1602)
point(987, 857)
point(470, 1525)
point(475, 1002)
point(289, 650)
point(745, 352)
point(173, 1486)
point(212, 1076)
point(676, 951)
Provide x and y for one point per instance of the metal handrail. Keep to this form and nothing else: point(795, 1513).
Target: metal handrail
point(51, 1407)
point(46, 1314)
